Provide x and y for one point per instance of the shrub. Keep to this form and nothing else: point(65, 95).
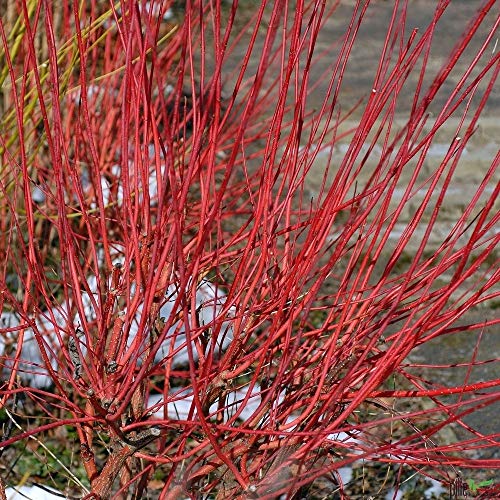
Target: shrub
point(175, 287)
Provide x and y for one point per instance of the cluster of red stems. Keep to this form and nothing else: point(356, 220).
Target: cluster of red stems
point(181, 148)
